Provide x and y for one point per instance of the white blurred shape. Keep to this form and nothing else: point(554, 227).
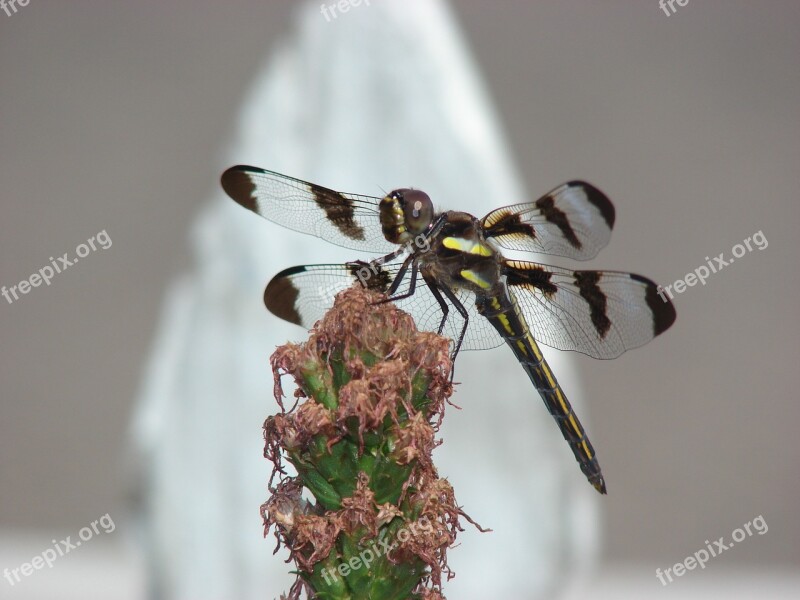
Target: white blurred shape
point(383, 96)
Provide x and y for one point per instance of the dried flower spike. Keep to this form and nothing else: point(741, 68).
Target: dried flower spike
point(382, 520)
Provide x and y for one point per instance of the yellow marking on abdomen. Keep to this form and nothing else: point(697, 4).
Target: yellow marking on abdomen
point(505, 323)
point(551, 380)
point(533, 348)
point(589, 455)
point(571, 418)
point(528, 346)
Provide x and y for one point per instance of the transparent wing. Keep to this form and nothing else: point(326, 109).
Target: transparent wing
point(348, 220)
point(599, 313)
point(302, 294)
point(573, 220)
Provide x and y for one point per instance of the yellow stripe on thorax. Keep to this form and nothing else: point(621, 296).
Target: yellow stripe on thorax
point(473, 277)
point(462, 245)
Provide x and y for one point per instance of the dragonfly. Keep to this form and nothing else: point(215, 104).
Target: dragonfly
point(433, 261)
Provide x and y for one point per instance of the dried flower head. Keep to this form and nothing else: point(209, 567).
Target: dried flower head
point(375, 390)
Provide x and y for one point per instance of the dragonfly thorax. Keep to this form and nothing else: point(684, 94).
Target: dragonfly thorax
point(404, 214)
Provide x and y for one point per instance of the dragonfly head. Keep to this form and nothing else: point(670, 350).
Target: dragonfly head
point(405, 213)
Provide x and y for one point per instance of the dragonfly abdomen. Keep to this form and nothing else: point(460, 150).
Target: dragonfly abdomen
point(559, 407)
point(503, 314)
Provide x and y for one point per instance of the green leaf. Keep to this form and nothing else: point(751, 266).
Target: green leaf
point(323, 491)
point(326, 580)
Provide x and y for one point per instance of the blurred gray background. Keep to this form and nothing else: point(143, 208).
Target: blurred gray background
point(113, 115)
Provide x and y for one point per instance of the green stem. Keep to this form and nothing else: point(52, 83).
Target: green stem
point(361, 442)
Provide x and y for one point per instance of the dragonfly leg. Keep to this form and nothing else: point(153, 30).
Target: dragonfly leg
point(437, 293)
point(463, 312)
point(434, 288)
point(388, 257)
point(401, 273)
point(412, 286)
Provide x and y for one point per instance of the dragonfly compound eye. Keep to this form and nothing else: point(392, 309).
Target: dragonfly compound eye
point(418, 210)
point(405, 213)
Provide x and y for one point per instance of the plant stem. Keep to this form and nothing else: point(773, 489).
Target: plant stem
point(373, 392)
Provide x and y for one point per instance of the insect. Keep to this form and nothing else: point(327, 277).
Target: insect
point(433, 262)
